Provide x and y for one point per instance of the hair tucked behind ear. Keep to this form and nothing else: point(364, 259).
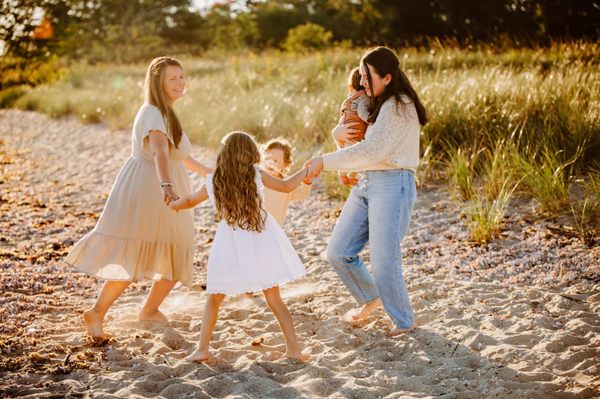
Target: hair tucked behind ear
point(234, 185)
point(385, 62)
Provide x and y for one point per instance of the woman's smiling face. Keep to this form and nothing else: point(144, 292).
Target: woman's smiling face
point(173, 83)
point(377, 82)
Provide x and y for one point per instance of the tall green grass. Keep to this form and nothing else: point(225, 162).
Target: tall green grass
point(523, 121)
point(543, 95)
point(485, 216)
point(548, 177)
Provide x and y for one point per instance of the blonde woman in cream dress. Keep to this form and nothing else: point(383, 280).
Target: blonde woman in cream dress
point(137, 236)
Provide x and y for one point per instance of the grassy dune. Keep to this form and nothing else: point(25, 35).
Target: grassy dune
point(502, 123)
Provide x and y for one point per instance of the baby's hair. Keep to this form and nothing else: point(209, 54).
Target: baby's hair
point(236, 195)
point(354, 79)
point(283, 145)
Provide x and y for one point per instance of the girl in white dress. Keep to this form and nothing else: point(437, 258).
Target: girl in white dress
point(250, 251)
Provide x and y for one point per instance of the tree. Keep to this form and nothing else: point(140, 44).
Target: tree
point(307, 36)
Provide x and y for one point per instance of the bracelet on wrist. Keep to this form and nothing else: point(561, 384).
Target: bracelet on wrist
point(164, 184)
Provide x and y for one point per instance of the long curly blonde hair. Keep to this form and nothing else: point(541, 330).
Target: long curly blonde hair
point(236, 195)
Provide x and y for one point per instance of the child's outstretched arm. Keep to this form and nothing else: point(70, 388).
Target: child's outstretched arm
point(190, 201)
point(284, 185)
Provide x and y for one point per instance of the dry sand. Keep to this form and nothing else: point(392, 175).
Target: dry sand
point(518, 318)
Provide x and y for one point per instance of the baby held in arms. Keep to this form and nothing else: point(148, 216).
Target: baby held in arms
point(355, 109)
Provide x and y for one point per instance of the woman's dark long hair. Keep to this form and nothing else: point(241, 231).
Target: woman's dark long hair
point(384, 61)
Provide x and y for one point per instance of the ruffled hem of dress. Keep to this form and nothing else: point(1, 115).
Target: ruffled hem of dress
point(122, 259)
point(225, 291)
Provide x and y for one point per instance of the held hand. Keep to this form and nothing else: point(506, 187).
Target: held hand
point(315, 166)
point(169, 195)
point(176, 205)
point(348, 181)
point(343, 178)
point(307, 180)
point(346, 133)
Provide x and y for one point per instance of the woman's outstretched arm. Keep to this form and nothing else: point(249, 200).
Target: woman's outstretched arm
point(195, 166)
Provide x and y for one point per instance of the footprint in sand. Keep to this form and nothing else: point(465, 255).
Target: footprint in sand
point(564, 342)
point(477, 341)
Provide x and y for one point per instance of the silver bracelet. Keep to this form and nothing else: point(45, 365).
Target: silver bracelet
point(164, 184)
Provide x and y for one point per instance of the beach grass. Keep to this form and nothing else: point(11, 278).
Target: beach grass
point(497, 117)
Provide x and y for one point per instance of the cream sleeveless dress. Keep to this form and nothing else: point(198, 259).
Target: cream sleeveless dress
point(137, 236)
point(247, 261)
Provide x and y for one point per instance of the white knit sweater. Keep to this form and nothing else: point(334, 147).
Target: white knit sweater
point(392, 142)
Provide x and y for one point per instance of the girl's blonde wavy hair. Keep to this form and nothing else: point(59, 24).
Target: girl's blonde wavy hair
point(234, 185)
point(154, 94)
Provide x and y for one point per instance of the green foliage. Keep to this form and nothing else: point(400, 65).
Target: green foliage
point(9, 96)
point(461, 171)
point(499, 121)
point(499, 168)
point(548, 177)
point(546, 97)
point(485, 216)
point(498, 181)
point(306, 37)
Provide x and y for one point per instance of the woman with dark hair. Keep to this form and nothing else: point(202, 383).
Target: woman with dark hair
point(379, 208)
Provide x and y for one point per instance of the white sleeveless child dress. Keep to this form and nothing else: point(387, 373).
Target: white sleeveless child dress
point(137, 236)
point(243, 261)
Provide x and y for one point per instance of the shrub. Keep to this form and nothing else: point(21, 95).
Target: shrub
point(307, 36)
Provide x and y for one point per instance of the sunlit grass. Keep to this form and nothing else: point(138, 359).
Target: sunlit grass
point(461, 172)
point(548, 177)
point(586, 211)
point(498, 118)
point(470, 95)
point(485, 216)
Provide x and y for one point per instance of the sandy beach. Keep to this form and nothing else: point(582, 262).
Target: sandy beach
point(517, 318)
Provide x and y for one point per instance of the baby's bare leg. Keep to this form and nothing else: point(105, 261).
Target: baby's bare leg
point(209, 320)
point(286, 323)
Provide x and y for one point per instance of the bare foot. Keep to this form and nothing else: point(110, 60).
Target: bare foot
point(272, 356)
point(156, 316)
point(398, 331)
point(298, 357)
point(356, 316)
point(199, 356)
point(93, 323)
point(276, 355)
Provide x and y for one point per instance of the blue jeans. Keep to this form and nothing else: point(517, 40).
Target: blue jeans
point(377, 211)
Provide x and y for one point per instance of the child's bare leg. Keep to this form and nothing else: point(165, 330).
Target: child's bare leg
point(286, 323)
point(160, 289)
point(94, 316)
point(209, 319)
